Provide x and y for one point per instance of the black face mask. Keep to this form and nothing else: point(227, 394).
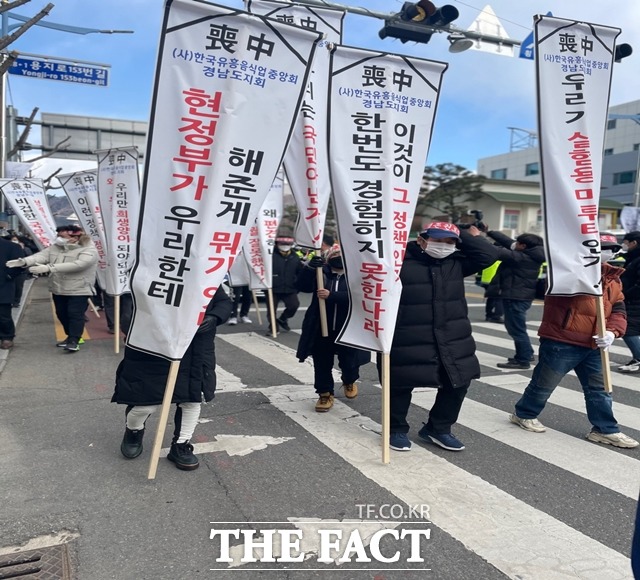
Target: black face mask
point(336, 263)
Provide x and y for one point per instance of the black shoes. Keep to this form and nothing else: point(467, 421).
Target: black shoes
point(131, 445)
point(182, 455)
point(71, 346)
point(282, 323)
point(497, 320)
point(514, 364)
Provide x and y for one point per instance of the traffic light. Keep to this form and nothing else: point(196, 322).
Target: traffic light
point(622, 51)
point(416, 21)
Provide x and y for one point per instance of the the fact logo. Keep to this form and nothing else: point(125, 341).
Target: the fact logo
point(362, 541)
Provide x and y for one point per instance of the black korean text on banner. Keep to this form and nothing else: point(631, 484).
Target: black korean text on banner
point(81, 188)
point(227, 90)
point(382, 107)
point(574, 62)
point(306, 162)
point(28, 201)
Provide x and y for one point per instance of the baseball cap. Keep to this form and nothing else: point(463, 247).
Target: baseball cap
point(441, 230)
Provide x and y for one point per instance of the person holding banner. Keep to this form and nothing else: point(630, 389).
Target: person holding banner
point(569, 341)
point(8, 252)
point(286, 267)
point(241, 299)
point(432, 343)
point(323, 349)
point(71, 262)
point(141, 379)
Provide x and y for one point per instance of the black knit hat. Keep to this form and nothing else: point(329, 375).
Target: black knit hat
point(633, 236)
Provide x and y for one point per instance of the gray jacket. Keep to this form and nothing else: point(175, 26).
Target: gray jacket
point(73, 267)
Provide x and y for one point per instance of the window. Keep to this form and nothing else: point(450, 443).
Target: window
point(611, 124)
point(636, 146)
point(608, 152)
point(499, 173)
point(511, 218)
point(624, 177)
point(532, 169)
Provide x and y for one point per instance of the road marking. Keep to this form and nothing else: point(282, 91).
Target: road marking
point(240, 445)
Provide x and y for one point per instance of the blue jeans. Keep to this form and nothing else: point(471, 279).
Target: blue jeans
point(515, 321)
point(633, 342)
point(555, 360)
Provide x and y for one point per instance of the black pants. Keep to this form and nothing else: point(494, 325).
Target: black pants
point(291, 304)
point(70, 312)
point(7, 327)
point(19, 280)
point(126, 311)
point(324, 351)
point(241, 297)
point(442, 415)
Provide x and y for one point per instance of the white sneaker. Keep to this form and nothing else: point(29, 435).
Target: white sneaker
point(532, 425)
point(633, 366)
point(615, 439)
point(233, 320)
point(246, 320)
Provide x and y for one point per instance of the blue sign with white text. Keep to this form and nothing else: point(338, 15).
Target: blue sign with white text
point(526, 48)
point(56, 70)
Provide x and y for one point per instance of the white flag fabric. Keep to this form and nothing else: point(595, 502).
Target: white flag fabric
point(239, 274)
point(306, 162)
point(28, 201)
point(81, 188)
point(574, 62)
point(227, 91)
point(119, 196)
point(630, 218)
point(382, 108)
point(17, 169)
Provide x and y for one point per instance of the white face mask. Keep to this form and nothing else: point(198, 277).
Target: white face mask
point(513, 246)
point(284, 248)
point(606, 255)
point(61, 241)
point(439, 250)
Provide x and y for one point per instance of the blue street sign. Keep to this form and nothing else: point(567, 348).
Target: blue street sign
point(526, 48)
point(60, 70)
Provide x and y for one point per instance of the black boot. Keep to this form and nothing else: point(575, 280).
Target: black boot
point(131, 445)
point(182, 455)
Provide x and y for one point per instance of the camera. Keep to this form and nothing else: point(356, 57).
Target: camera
point(477, 222)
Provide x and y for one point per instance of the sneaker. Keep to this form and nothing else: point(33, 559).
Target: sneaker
point(350, 390)
point(633, 366)
point(131, 445)
point(532, 425)
point(62, 343)
point(72, 346)
point(282, 323)
point(444, 440)
point(182, 455)
point(399, 442)
point(615, 439)
point(496, 320)
point(514, 364)
point(532, 359)
point(232, 321)
point(6, 344)
point(325, 402)
point(269, 332)
point(246, 320)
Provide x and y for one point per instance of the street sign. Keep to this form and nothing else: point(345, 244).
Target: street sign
point(61, 70)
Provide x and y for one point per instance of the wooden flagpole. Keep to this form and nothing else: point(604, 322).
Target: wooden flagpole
point(116, 323)
point(272, 313)
point(386, 405)
point(256, 306)
point(324, 328)
point(604, 353)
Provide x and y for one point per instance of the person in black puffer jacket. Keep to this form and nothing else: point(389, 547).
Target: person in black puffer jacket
point(286, 267)
point(515, 282)
point(432, 343)
point(631, 288)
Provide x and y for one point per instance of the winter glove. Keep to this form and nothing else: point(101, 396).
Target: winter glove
point(40, 269)
point(316, 262)
point(208, 323)
point(605, 341)
point(19, 263)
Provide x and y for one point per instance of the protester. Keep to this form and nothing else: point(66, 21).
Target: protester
point(141, 379)
point(515, 283)
point(432, 344)
point(493, 310)
point(323, 349)
point(286, 267)
point(21, 278)
point(631, 288)
point(569, 341)
point(71, 262)
point(9, 252)
point(241, 299)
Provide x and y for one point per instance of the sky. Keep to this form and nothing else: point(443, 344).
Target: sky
point(482, 94)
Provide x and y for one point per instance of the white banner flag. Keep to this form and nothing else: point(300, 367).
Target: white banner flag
point(119, 195)
point(630, 218)
point(306, 162)
point(574, 62)
point(28, 201)
point(382, 108)
point(81, 188)
point(228, 88)
point(239, 274)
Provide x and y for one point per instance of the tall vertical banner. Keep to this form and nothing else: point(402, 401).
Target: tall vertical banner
point(119, 196)
point(81, 188)
point(574, 63)
point(306, 162)
point(382, 107)
point(28, 201)
point(227, 91)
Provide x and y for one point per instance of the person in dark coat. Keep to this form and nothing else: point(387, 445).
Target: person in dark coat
point(323, 349)
point(141, 379)
point(286, 267)
point(515, 283)
point(631, 288)
point(432, 344)
point(8, 252)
